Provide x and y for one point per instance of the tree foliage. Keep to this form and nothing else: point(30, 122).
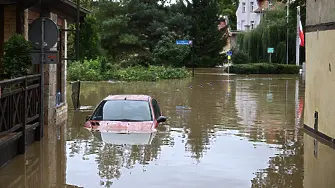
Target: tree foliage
point(17, 57)
point(143, 32)
point(229, 8)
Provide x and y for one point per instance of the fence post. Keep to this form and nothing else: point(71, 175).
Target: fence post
point(22, 141)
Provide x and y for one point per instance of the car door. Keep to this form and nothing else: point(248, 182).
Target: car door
point(156, 111)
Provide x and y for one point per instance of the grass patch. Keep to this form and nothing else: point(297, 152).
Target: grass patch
point(264, 68)
point(94, 70)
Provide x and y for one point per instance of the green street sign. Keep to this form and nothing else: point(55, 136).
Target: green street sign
point(271, 50)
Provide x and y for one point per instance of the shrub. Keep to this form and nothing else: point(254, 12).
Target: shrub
point(152, 73)
point(264, 68)
point(17, 56)
point(89, 70)
point(92, 70)
point(240, 57)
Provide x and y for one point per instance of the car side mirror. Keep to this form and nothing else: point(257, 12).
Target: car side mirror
point(161, 119)
point(88, 117)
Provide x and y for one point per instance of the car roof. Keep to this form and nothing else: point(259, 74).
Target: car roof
point(128, 97)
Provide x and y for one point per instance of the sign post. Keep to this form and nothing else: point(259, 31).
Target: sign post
point(270, 52)
point(229, 54)
point(189, 43)
point(43, 34)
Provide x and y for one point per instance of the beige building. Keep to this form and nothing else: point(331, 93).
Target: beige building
point(320, 68)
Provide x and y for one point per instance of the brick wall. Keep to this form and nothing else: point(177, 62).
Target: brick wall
point(32, 16)
point(9, 22)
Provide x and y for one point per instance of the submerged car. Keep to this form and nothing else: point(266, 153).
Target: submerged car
point(126, 114)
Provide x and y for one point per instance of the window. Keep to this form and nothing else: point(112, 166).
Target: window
point(252, 24)
point(242, 24)
point(157, 111)
point(243, 7)
point(123, 110)
point(251, 6)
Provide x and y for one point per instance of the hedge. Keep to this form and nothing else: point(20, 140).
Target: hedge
point(264, 68)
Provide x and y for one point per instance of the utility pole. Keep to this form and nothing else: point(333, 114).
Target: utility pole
point(77, 30)
point(287, 16)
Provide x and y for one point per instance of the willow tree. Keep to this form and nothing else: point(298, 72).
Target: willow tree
point(270, 33)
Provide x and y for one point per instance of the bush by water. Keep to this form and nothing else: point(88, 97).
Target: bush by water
point(264, 68)
point(99, 70)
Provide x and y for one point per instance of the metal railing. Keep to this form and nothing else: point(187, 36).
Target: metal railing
point(20, 109)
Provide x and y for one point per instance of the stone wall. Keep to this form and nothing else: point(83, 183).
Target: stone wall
point(61, 114)
point(53, 114)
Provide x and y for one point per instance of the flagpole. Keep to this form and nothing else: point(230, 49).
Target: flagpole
point(287, 16)
point(297, 53)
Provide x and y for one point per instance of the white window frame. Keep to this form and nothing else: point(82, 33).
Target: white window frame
point(243, 7)
point(251, 6)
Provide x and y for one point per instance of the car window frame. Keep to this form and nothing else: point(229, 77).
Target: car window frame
point(104, 101)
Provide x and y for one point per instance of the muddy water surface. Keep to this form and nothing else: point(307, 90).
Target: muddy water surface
point(236, 131)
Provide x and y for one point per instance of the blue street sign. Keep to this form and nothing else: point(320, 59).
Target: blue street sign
point(229, 53)
point(184, 42)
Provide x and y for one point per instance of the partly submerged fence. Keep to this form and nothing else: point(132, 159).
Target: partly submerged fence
point(20, 110)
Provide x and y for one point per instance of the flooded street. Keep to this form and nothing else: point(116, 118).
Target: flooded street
point(245, 132)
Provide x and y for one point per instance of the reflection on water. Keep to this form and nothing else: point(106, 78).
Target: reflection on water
point(125, 139)
point(319, 163)
point(241, 132)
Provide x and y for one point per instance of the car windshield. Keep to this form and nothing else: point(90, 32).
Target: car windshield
point(123, 110)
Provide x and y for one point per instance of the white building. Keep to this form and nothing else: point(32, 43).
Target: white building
point(247, 18)
point(249, 13)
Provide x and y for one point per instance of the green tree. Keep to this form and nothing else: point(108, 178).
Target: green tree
point(89, 39)
point(208, 40)
point(115, 32)
point(229, 8)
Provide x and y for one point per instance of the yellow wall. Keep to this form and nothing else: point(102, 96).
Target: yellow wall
point(320, 67)
point(318, 171)
point(320, 81)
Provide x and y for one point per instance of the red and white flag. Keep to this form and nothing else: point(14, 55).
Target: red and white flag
point(301, 35)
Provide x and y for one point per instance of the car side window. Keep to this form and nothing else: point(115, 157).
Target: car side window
point(157, 111)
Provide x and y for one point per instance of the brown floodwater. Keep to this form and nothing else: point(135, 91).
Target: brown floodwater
point(236, 131)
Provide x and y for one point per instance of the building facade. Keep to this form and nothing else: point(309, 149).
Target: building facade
point(250, 13)
point(320, 68)
point(247, 18)
point(16, 19)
